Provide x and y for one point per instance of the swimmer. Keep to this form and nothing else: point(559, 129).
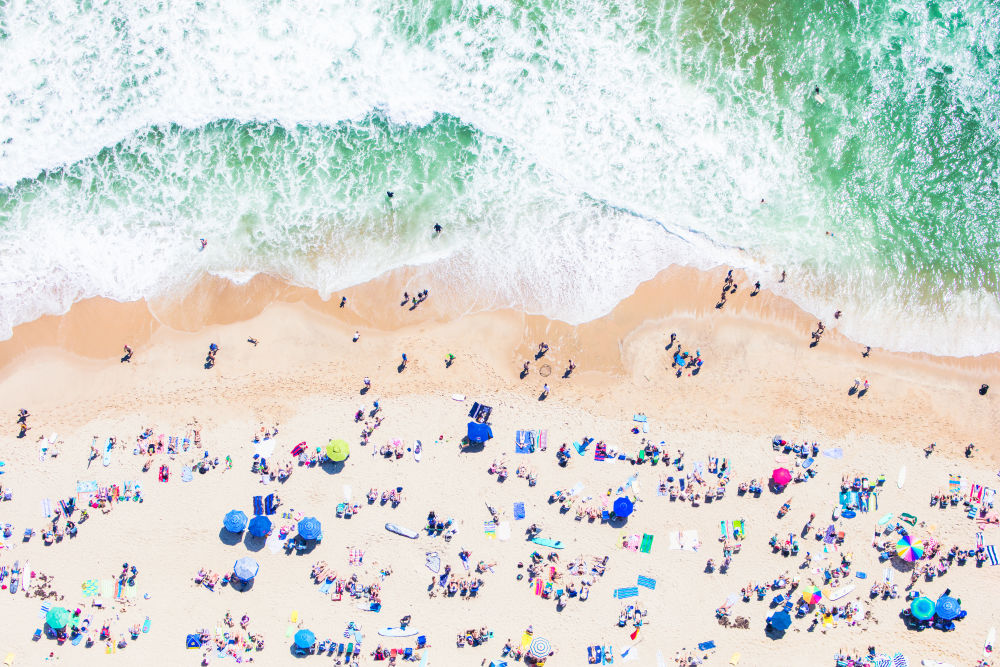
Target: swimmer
point(203, 243)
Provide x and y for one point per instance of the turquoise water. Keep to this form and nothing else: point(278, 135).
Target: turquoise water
point(571, 150)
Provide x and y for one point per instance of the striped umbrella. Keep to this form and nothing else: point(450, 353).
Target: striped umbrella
point(812, 594)
point(909, 548)
point(539, 648)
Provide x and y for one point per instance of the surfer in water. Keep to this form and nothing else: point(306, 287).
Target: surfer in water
point(437, 228)
point(204, 243)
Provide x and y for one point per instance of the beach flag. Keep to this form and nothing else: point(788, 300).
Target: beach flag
point(991, 551)
point(648, 582)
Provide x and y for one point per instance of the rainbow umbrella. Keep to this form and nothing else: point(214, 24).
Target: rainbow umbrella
point(909, 548)
point(781, 476)
point(812, 595)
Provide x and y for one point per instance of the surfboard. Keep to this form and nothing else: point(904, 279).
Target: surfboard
point(991, 639)
point(145, 625)
point(15, 578)
point(398, 632)
point(399, 530)
point(819, 98)
point(545, 542)
point(836, 595)
point(107, 454)
point(901, 479)
point(458, 397)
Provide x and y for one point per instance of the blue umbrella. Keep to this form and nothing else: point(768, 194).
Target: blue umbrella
point(246, 568)
point(922, 608)
point(310, 529)
point(305, 638)
point(947, 607)
point(623, 507)
point(780, 621)
point(235, 521)
point(259, 526)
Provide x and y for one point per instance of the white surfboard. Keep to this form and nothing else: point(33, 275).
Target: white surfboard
point(902, 477)
point(458, 397)
point(398, 632)
point(836, 595)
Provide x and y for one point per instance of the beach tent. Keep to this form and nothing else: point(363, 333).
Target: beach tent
point(780, 621)
point(305, 638)
point(479, 433)
point(246, 568)
point(235, 521)
point(58, 617)
point(310, 528)
point(259, 526)
point(622, 507)
point(922, 608)
point(193, 641)
point(947, 607)
point(781, 476)
point(338, 450)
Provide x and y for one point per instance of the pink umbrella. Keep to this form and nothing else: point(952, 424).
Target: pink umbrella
point(781, 476)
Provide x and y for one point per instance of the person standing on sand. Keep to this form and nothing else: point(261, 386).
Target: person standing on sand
point(570, 368)
point(545, 390)
point(868, 351)
point(449, 360)
point(343, 301)
point(968, 450)
point(128, 355)
point(526, 369)
point(368, 383)
point(782, 277)
point(542, 349)
point(404, 360)
point(357, 335)
point(22, 416)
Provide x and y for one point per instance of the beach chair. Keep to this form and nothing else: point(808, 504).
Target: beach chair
point(788, 606)
point(778, 600)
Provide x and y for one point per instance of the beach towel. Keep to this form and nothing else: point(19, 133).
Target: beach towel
point(44, 610)
point(689, 540)
point(740, 525)
point(991, 553)
point(628, 592)
point(90, 588)
point(503, 531)
point(355, 556)
point(836, 453)
point(648, 582)
point(979, 540)
point(577, 488)
point(578, 447)
point(258, 505)
point(600, 455)
point(704, 646)
point(630, 542)
point(831, 534)
point(647, 543)
point(976, 493)
point(186, 474)
point(269, 507)
point(883, 660)
point(887, 575)
point(539, 586)
point(107, 588)
point(518, 511)
point(954, 483)
point(675, 542)
point(639, 418)
point(543, 439)
point(325, 587)
point(47, 508)
point(490, 529)
point(274, 543)
point(433, 562)
point(899, 660)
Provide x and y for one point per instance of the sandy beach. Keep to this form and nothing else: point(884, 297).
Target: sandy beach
point(760, 378)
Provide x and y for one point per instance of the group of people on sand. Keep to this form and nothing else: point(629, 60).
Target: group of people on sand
point(351, 585)
point(393, 496)
point(574, 580)
point(234, 643)
point(414, 299)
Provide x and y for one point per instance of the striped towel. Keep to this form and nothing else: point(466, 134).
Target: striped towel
point(629, 592)
point(354, 556)
point(887, 575)
point(43, 611)
point(991, 551)
point(976, 493)
point(648, 582)
point(954, 483)
point(490, 529)
point(899, 660)
point(882, 660)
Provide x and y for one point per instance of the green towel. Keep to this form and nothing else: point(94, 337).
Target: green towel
point(290, 631)
point(647, 543)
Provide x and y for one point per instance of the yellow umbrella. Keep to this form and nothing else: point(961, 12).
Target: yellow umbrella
point(338, 450)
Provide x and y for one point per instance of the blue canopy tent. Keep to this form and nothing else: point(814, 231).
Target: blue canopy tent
point(246, 568)
point(310, 528)
point(193, 641)
point(235, 521)
point(259, 526)
point(479, 433)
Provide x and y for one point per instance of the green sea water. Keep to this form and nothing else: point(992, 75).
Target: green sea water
point(571, 149)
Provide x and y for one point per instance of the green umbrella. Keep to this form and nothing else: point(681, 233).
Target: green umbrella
point(58, 617)
point(338, 450)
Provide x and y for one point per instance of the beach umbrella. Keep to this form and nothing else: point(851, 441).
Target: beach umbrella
point(259, 526)
point(909, 548)
point(780, 621)
point(781, 476)
point(246, 568)
point(305, 638)
point(539, 648)
point(922, 608)
point(811, 594)
point(947, 607)
point(309, 528)
point(58, 617)
point(623, 507)
point(338, 450)
point(235, 521)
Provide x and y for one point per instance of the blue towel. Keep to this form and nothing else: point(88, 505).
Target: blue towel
point(861, 575)
point(269, 505)
point(258, 505)
point(623, 593)
point(518, 510)
point(648, 582)
point(704, 646)
point(325, 587)
point(523, 449)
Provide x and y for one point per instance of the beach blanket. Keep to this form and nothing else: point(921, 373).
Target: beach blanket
point(325, 587)
point(490, 529)
point(274, 542)
point(836, 453)
point(44, 610)
point(648, 582)
point(675, 540)
point(90, 587)
point(87, 488)
point(433, 562)
point(186, 474)
point(47, 508)
point(976, 493)
point(269, 508)
point(107, 588)
point(954, 483)
point(899, 660)
point(543, 439)
point(991, 553)
point(579, 448)
point(647, 543)
point(689, 540)
point(639, 418)
point(831, 534)
point(503, 531)
point(628, 592)
point(258, 505)
point(979, 540)
point(887, 575)
point(354, 556)
point(630, 542)
point(518, 511)
point(600, 455)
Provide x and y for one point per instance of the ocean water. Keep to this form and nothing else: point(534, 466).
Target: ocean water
point(570, 149)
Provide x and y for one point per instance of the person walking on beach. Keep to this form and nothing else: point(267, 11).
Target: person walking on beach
point(526, 369)
point(968, 450)
point(542, 349)
point(449, 360)
point(25, 428)
point(570, 368)
point(357, 335)
point(343, 301)
point(22, 416)
point(545, 390)
point(867, 352)
point(403, 366)
point(128, 354)
point(929, 449)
